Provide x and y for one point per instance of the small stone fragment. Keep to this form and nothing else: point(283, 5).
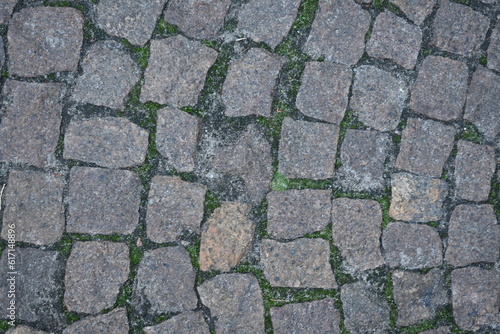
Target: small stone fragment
point(188, 322)
point(493, 59)
point(6, 8)
point(416, 10)
point(113, 322)
point(21, 329)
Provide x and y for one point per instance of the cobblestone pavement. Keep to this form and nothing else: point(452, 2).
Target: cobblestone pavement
point(262, 166)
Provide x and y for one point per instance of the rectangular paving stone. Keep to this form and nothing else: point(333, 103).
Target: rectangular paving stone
point(6, 8)
point(416, 10)
point(21, 329)
point(115, 321)
point(493, 54)
point(187, 322)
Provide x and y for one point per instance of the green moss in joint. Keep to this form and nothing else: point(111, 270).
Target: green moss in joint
point(350, 121)
point(433, 224)
point(71, 317)
point(193, 111)
point(5, 73)
point(483, 60)
point(212, 202)
point(389, 295)
point(463, 2)
point(64, 245)
point(469, 132)
point(194, 253)
point(420, 327)
point(494, 198)
point(164, 29)
point(272, 125)
point(4, 326)
point(91, 32)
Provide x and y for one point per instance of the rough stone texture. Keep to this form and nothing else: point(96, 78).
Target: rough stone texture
point(324, 91)
point(176, 138)
point(416, 10)
point(111, 142)
point(307, 149)
point(103, 201)
point(2, 54)
point(44, 40)
point(30, 124)
point(412, 246)
point(378, 97)
point(249, 85)
point(458, 28)
point(227, 238)
point(109, 74)
point(474, 235)
point(188, 322)
point(475, 297)
point(113, 322)
point(395, 39)
point(176, 71)
point(235, 303)
point(440, 330)
point(362, 156)
point(21, 329)
point(293, 213)
point(303, 263)
point(199, 19)
point(418, 296)
point(319, 316)
point(364, 310)
point(173, 207)
point(356, 230)
point(94, 274)
point(417, 198)
point(134, 20)
point(34, 204)
point(440, 89)
point(6, 8)
point(338, 32)
point(425, 147)
point(493, 59)
point(474, 168)
point(268, 21)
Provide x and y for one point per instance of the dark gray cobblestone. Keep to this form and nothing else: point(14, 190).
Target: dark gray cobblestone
point(416, 10)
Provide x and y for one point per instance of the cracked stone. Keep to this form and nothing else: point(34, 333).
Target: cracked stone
point(493, 53)
point(113, 322)
point(416, 10)
point(21, 329)
point(6, 9)
point(188, 322)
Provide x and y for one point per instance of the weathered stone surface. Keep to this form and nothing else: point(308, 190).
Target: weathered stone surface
point(6, 8)
point(440, 330)
point(440, 89)
point(109, 74)
point(417, 198)
point(364, 310)
point(395, 39)
point(2, 54)
point(307, 149)
point(21, 329)
point(362, 156)
point(199, 19)
point(173, 207)
point(293, 213)
point(43, 40)
point(418, 296)
point(319, 316)
point(474, 235)
point(227, 238)
point(303, 263)
point(356, 230)
point(338, 32)
point(494, 49)
point(474, 168)
point(416, 10)
point(94, 274)
point(134, 20)
point(103, 201)
point(268, 21)
point(30, 124)
point(111, 142)
point(235, 303)
point(425, 147)
point(411, 246)
point(113, 322)
point(249, 85)
point(458, 28)
point(378, 97)
point(34, 205)
point(176, 71)
point(188, 322)
point(324, 91)
point(475, 297)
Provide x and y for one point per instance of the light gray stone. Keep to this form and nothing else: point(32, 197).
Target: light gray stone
point(113, 322)
point(416, 10)
point(188, 322)
point(21, 329)
point(493, 58)
point(6, 8)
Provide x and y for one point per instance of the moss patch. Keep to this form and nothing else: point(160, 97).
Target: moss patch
point(469, 132)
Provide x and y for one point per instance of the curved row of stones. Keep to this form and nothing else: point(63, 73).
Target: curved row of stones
point(102, 195)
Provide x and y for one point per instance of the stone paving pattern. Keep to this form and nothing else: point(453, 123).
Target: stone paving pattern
point(263, 166)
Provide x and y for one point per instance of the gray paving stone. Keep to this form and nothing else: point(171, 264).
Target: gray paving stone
point(307, 149)
point(21, 329)
point(458, 28)
point(493, 58)
point(249, 85)
point(173, 207)
point(95, 271)
point(338, 32)
point(176, 71)
point(378, 97)
point(293, 213)
point(30, 124)
point(395, 39)
point(440, 330)
point(6, 8)
point(2, 54)
point(324, 91)
point(111, 142)
point(474, 235)
point(113, 322)
point(103, 201)
point(356, 230)
point(440, 89)
point(235, 303)
point(319, 316)
point(416, 10)
point(188, 322)
point(44, 40)
point(302, 263)
point(412, 246)
point(34, 205)
point(418, 296)
point(134, 20)
point(425, 147)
